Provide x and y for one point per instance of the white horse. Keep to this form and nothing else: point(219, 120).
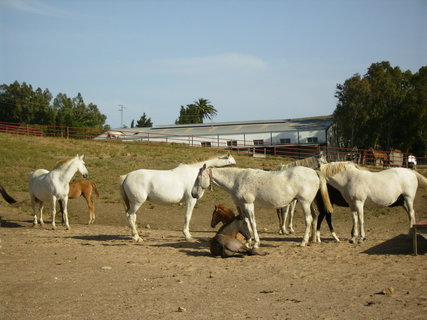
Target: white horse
point(49, 186)
point(313, 162)
point(359, 186)
point(164, 187)
point(271, 189)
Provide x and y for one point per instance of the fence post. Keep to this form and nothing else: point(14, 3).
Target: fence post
point(68, 132)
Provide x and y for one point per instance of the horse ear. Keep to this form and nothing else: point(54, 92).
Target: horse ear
point(81, 157)
point(229, 154)
point(204, 166)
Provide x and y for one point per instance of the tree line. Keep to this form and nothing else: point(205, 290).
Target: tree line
point(20, 103)
point(386, 109)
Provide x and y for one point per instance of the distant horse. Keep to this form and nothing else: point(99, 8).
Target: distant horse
point(6, 196)
point(313, 162)
point(164, 187)
point(383, 188)
point(225, 215)
point(225, 242)
point(273, 189)
point(115, 134)
point(45, 186)
point(84, 188)
point(379, 157)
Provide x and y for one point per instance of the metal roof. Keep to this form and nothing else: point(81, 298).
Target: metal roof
point(239, 127)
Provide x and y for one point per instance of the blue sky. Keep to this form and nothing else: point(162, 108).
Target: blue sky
point(252, 59)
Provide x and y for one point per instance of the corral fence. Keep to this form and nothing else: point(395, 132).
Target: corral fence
point(259, 148)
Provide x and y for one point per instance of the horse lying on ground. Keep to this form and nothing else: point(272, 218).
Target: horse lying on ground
point(225, 215)
point(6, 196)
point(384, 188)
point(226, 245)
point(84, 188)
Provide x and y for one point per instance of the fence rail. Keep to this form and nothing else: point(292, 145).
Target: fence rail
point(262, 148)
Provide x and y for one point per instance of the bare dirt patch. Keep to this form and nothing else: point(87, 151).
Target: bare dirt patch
point(97, 272)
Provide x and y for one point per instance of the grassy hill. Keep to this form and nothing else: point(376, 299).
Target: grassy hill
point(105, 160)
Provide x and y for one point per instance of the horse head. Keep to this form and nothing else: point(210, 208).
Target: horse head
point(81, 166)
point(227, 160)
point(221, 214)
point(202, 182)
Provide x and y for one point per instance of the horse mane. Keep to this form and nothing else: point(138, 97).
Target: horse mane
point(62, 163)
point(201, 162)
point(333, 168)
point(311, 162)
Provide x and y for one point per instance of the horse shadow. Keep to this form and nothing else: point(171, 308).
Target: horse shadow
point(399, 245)
point(10, 224)
point(106, 238)
point(197, 248)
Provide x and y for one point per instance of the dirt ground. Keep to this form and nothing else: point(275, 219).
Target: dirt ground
point(97, 272)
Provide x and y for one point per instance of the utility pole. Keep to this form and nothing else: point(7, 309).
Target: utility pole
point(121, 108)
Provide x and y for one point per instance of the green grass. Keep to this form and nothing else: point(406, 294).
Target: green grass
point(105, 160)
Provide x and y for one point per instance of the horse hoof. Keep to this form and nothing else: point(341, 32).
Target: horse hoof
point(303, 244)
point(352, 240)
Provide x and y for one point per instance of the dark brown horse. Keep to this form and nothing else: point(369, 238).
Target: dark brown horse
point(225, 215)
point(228, 241)
point(84, 188)
point(6, 196)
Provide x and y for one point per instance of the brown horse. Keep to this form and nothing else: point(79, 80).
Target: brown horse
point(6, 196)
point(228, 240)
point(84, 188)
point(225, 215)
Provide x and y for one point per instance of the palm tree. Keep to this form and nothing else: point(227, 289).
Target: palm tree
point(204, 109)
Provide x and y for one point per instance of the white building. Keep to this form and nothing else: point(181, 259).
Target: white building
point(259, 134)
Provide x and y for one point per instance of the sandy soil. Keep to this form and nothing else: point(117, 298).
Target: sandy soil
point(97, 272)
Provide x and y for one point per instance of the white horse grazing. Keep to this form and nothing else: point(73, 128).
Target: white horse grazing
point(313, 162)
point(359, 186)
point(49, 186)
point(164, 187)
point(271, 189)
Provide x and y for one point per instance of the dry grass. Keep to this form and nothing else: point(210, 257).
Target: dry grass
point(105, 160)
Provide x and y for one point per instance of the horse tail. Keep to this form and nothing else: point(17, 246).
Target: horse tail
point(95, 189)
point(6, 196)
point(422, 181)
point(324, 192)
point(123, 192)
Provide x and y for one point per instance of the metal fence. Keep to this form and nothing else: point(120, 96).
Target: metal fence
point(260, 148)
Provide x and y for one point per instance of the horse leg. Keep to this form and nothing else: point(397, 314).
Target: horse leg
point(34, 203)
point(313, 224)
point(331, 227)
point(308, 220)
point(291, 216)
point(131, 216)
point(280, 216)
point(357, 212)
point(320, 218)
point(409, 207)
point(64, 203)
point(360, 214)
point(187, 218)
point(90, 205)
point(53, 206)
point(249, 212)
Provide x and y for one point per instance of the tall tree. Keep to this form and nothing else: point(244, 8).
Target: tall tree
point(385, 109)
point(196, 112)
point(144, 121)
